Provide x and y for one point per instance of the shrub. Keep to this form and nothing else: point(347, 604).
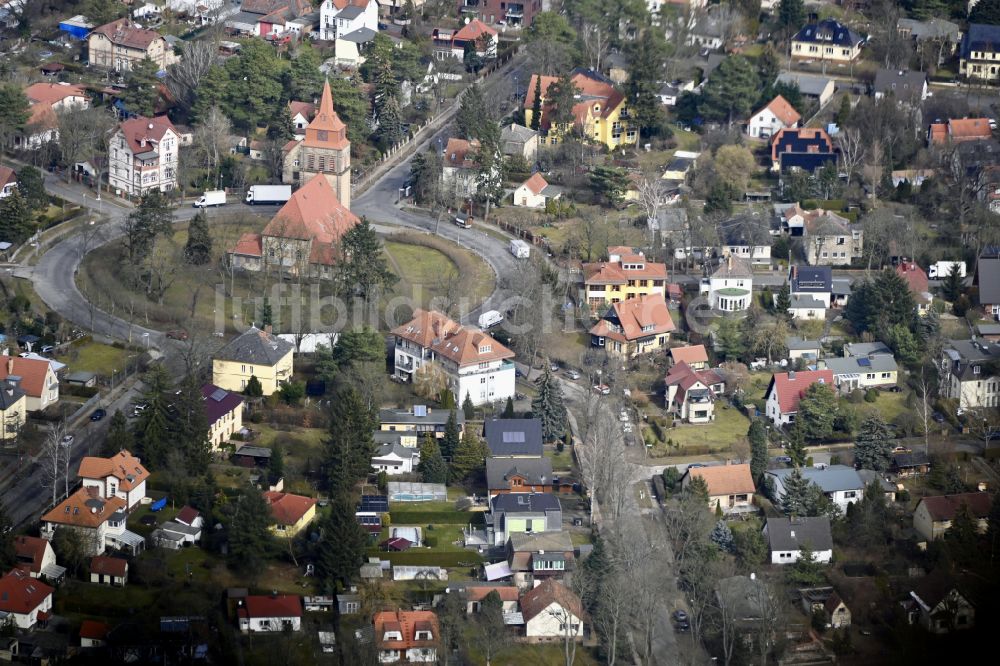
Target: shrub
point(871, 395)
point(857, 396)
point(431, 541)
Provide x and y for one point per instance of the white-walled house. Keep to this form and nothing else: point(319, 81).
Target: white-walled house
point(777, 115)
point(24, 599)
point(786, 537)
point(143, 156)
point(268, 614)
point(122, 475)
point(786, 390)
point(46, 101)
point(730, 287)
point(965, 373)
point(341, 17)
point(535, 192)
point(475, 364)
point(395, 459)
point(547, 610)
point(100, 522)
point(842, 484)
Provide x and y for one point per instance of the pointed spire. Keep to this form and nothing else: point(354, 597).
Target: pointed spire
point(326, 100)
point(326, 118)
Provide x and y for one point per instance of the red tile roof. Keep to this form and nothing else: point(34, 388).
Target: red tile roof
point(124, 466)
point(282, 605)
point(725, 479)
point(480, 592)
point(635, 314)
point(7, 176)
point(945, 507)
point(122, 32)
point(473, 30)
point(791, 389)
point(249, 245)
point(288, 509)
point(306, 109)
point(689, 354)
point(783, 111)
point(50, 93)
point(32, 372)
point(406, 623)
point(536, 183)
point(187, 515)
point(313, 213)
point(960, 129)
point(914, 276)
point(461, 345)
point(84, 508)
point(142, 134)
point(607, 272)
point(30, 548)
point(535, 601)
point(109, 566)
point(94, 630)
point(457, 153)
point(20, 593)
point(591, 90)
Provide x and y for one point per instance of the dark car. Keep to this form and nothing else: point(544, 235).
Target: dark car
point(938, 417)
point(683, 627)
point(98, 414)
point(680, 616)
point(783, 459)
point(696, 465)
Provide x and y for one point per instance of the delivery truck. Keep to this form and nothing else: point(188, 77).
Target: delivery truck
point(211, 198)
point(268, 194)
point(520, 249)
point(490, 319)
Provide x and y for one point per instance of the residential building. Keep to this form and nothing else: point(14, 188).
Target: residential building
point(532, 558)
point(340, 17)
point(814, 282)
point(669, 93)
point(826, 601)
point(786, 537)
point(291, 513)
point(253, 353)
point(519, 475)
point(730, 286)
point(480, 37)
point(324, 150)
point(680, 165)
point(406, 637)
point(808, 350)
point(522, 513)
point(106, 570)
point(748, 237)
point(414, 423)
point(302, 114)
point(935, 33)
point(459, 174)
point(696, 356)
point(535, 192)
point(959, 130)
point(987, 279)
point(776, 115)
point(916, 281)
point(513, 438)
point(933, 516)
point(818, 89)
point(519, 140)
point(979, 55)
point(904, 86)
point(862, 372)
point(690, 394)
point(968, 373)
point(93, 634)
point(786, 390)
point(268, 614)
point(909, 464)
point(748, 599)
point(32, 376)
point(46, 101)
point(939, 604)
point(831, 240)
point(25, 600)
point(476, 365)
point(264, 18)
point(600, 113)
point(13, 402)
point(634, 326)
point(552, 611)
point(914, 177)
point(840, 483)
point(100, 522)
point(514, 14)
point(626, 274)
point(122, 476)
point(224, 412)
point(475, 594)
point(143, 156)
point(827, 40)
point(730, 487)
point(176, 534)
point(394, 459)
point(806, 148)
point(34, 556)
point(121, 45)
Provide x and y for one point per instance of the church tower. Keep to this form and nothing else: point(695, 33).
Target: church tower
point(324, 150)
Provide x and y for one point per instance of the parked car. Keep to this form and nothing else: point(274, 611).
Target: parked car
point(48, 349)
point(696, 465)
point(623, 416)
point(67, 440)
point(179, 334)
point(938, 417)
point(98, 414)
point(553, 367)
point(602, 389)
point(572, 374)
point(680, 616)
point(463, 221)
point(782, 459)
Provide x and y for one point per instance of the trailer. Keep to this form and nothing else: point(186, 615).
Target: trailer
point(211, 198)
point(943, 269)
point(520, 249)
point(268, 194)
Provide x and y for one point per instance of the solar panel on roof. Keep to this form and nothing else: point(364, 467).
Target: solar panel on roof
point(420, 410)
point(864, 363)
point(374, 503)
point(511, 437)
point(219, 395)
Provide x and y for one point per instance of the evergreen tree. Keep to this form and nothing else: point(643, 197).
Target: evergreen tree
point(784, 301)
point(250, 542)
point(266, 313)
point(469, 459)
point(548, 406)
point(253, 389)
point(722, 536)
point(350, 446)
point(447, 399)
point(879, 304)
point(749, 546)
point(31, 186)
point(151, 218)
point(697, 487)
point(198, 249)
point(432, 466)
point(873, 448)
point(731, 91)
point(119, 436)
point(951, 286)
point(817, 412)
point(341, 546)
point(986, 11)
point(7, 555)
point(364, 268)
point(152, 429)
point(805, 571)
point(468, 408)
point(452, 436)
point(818, 504)
point(647, 55)
point(796, 448)
point(791, 14)
point(508, 410)
point(758, 449)
point(142, 89)
point(190, 425)
point(390, 124)
point(561, 99)
point(276, 466)
point(796, 486)
point(868, 520)
point(17, 222)
point(610, 182)
point(14, 112)
point(472, 113)
point(363, 344)
point(536, 105)
point(305, 82)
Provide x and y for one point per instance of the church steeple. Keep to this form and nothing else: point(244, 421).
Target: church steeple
point(326, 119)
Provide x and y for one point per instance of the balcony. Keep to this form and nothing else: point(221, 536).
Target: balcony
point(504, 366)
point(515, 11)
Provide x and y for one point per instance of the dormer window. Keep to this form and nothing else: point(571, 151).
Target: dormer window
point(975, 369)
point(485, 349)
point(392, 636)
point(423, 635)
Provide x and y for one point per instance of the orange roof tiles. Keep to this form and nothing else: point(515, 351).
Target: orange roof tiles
point(535, 601)
point(123, 33)
point(960, 129)
point(725, 479)
point(50, 93)
point(32, 372)
point(791, 388)
point(456, 153)
point(281, 605)
point(124, 466)
point(593, 91)
point(288, 509)
point(7, 176)
point(614, 273)
point(249, 245)
point(783, 111)
point(639, 317)
point(914, 276)
point(480, 592)
point(306, 109)
point(21, 594)
point(30, 548)
point(84, 508)
point(407, 623)
point(109, 566)
point(689, 354)
point(326, 130)
point(446, 338)
point(536, 183)
point(141, 133)
point(473, 30)
point(313, 213)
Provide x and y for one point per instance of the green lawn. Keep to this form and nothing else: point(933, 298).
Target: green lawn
point(94, 357)
point(729, 426)
point(890, 405)
point(560, 461)
point(523, 654)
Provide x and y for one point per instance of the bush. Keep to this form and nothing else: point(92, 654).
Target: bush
point(871, 395)
point(857, 396)
point(431, 541)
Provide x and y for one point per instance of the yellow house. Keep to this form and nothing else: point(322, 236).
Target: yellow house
point(290, 513)
point(599, 113)
point(826, 40)
point(12, 408)
point(224, 410)
point(121, 45)
point(255, 353)
point(626, 274)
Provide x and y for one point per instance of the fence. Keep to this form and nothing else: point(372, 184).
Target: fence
point(84, 408)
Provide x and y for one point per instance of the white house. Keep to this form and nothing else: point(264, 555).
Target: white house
point(458, 168)
point(100, 522)
point(406, 636)
point(8, 182)
point(475, 364)
point(690, 394)
point(122, 475)
point(274, 613)
point(786, 390)
point(786, 537)
point(340, 17)
point(729, 288)
point(395, 459)
point(36, 557)
point(535, 192)
point(551, 610)
point(810, 291)
point(25, 599)
point(33, 376)
point(778, 114)
point(143, 156)
point(47, 100)
point(965, 373)
point(842, 484)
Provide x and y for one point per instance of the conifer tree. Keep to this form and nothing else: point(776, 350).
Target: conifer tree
point(549, 407)
point(152, 432)
point(470, 457)
point(508, 410)
point(451, 437)
point(468, 408)
point(250, 541)
point(253, 389)
point(873, 448)
point(341, 546)
point(432, 466)
point(536, 105)
point(795, 497)
point(758, 449)
point(722, 536)
point(349, 447)
point(198, 249)
point(119, 436)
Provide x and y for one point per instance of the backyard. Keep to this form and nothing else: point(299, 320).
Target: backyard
point(729, 426)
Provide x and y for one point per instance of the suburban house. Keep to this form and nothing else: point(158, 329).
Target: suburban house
point(264, 18)
point(519, 475)
point(514, 14)
point(522, 513)
point(626, 274)
point(786, 537)
point(406, 637)
point(831, 240)
point(303, 236)
point(838, 482)
point(475, 594)
point(394, 459)
point(969, 373)
point(290, 513)
point(939, 605)
point(324, 151)
point(34, 555)
point(273, 613)
point(412, 424)
point(807, 350)
point(533, 558)
point(106, 570)
point(941, 35)
point(224, 412)
point(959, 130)
point(535, 192)
point(122, 476)
point(987, 279)
point(786, 389)
point(902, 85)
point(634, 326)
point(519, 140)
point(680, 165)
point(302, 114)
point(143, 156)
point(826, 601)
point(459, 174)
point(479, 37)
point(513, 438)
point(979, 55)
point(33, 376)
point(933, 515)
point(690, 394)
point(476, 365)
point(13, 403)
point(730, 487)
point(47, 100)
point(696, 356)
point(818, 89)
point(916, 281)
point(100, 522)
point(827, 40)
point(552, 611)
point(94, 634)
point(253, 353)
point(746, 236)
point(730, 286)
point(810, 291)
point(185, 529)
point(340, 17)
point(25, 600)
point(121, 45)
point(599, 112)
point(777, 115)
point(868, 371)
point(806, 148)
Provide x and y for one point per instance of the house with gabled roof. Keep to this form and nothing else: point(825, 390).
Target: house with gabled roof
point(518, 475)
point(969, 373)
point(690, 394)
point(840, 483)
point(106, 570)
point(535, 192)
point(626, 274)
point(406, 636)
point(459, 174)
point(904, 86)
point(341, 17)
point(476, 364)
point(730, 487)
point(826, 40)
point(940, 604)
point(26, 600)
point(224, 412)
point(696, 356)
point(93, 633)
point(13, 405)
point(551, 610)
point(143, 156)
point(917, 283)
point(862, 372)
point(959, 130)
point(121, 475)
point(517, 15)
point(263, 18)
point(99, 521)
point(253, 353)
point(513, 438)
point(787, 537)
point(811, 291)
point(302, 114)
point(8, 181)
point(122, 44)
point(599, 111)
point(729, 287)
point(34, 377)
point(831, 240)
point(272, 613)
point(414, 422)
point(522, 513)
point(394, 459)
point(46, 101)
point(290, 513)
point(979, 52)
point(519, 140)
point(533, 557)
point(933, 516)
point(805, 148)
point(35, 556)
point(786, 390)
point(634, 326)
point(987, 279)
point(476, 594)
point(776, 115)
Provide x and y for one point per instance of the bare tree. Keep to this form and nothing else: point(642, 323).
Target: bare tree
point(604, 467)
point(595, 44)
point(55, 460)
point(730, 21)
point(82, 134)
point(852, 151)
point(183, 77)
point(651, 189)
point(571, 628)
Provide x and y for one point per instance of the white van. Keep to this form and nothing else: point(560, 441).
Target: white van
point(490, 319)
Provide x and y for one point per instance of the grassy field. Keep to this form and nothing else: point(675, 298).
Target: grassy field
point(522, 654)
point(560, 461)
point(890, 405)
point(729, 426)
point(94, 357)
point(438, 268)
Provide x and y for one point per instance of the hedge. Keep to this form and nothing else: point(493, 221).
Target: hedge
point(434, 517)
point(430, 558)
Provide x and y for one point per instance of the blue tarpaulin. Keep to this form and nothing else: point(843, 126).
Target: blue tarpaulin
point(158, 504)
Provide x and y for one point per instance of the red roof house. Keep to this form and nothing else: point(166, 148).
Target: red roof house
point(786, 390)
point(277, 612)
point(26, 599)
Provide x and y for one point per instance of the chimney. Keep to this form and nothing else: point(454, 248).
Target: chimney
point(792, 533)
point(791, 375)
point(267, 329)
point(871, 356)
point(10, 365)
